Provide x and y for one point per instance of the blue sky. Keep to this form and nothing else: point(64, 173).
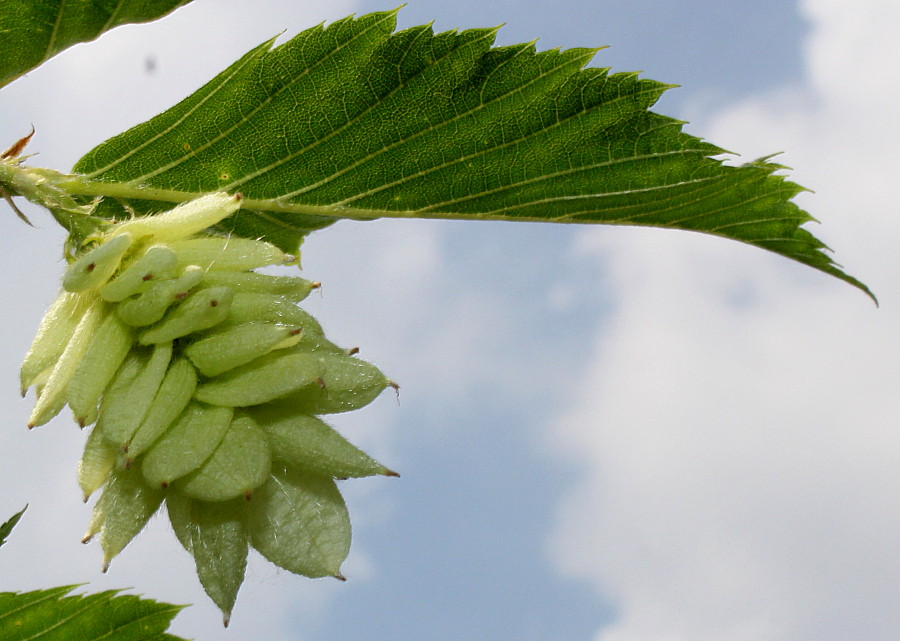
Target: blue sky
point(604, 434)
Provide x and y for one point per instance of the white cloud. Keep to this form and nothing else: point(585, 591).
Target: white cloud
point(740, 419)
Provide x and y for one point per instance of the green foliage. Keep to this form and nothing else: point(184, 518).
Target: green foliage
point(33, 32)
point(50, 615)
point(7, 527)
point(356, 121)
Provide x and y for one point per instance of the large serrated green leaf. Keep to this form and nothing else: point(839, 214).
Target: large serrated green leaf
point(50, 615)
point(33, 32)
point(355, 121)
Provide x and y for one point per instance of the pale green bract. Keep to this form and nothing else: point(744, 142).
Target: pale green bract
point(187, 363)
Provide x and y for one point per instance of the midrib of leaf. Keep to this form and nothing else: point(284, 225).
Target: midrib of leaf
point(83, 187)
point(262, 105)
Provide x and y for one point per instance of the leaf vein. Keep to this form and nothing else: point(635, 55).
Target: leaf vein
point(51, 43)
point(334, 132)
point(463, 159)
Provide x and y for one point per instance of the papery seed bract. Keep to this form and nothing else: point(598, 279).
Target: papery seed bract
point(53, 394)
point(216, 535)
point(226, 349)
point(123, 510)
point(155, 298)
point(290, 288)
point(184, 220)
point(187, 444)
point(306, 442)
point(299, 522)
point(53, 335)
point(228, 253)
point(248, 307)
point(219, 373)
point(346, 384)
point(118, 389)
point(41, 380)
point(157, 263)
point(96, 266)
point(240, 464)
point(265, 379)
point(108, 348)
point(201, 310)
point(126, 403)
point(97, 462)
point(173, 395)
point(316, 343)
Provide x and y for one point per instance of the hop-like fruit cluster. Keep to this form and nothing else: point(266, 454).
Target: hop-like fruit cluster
point(203, 380)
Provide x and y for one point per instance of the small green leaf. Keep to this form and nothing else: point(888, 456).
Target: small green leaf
point(50, 615)
point(33, 32)
point(355, 121)
point(7, 527)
